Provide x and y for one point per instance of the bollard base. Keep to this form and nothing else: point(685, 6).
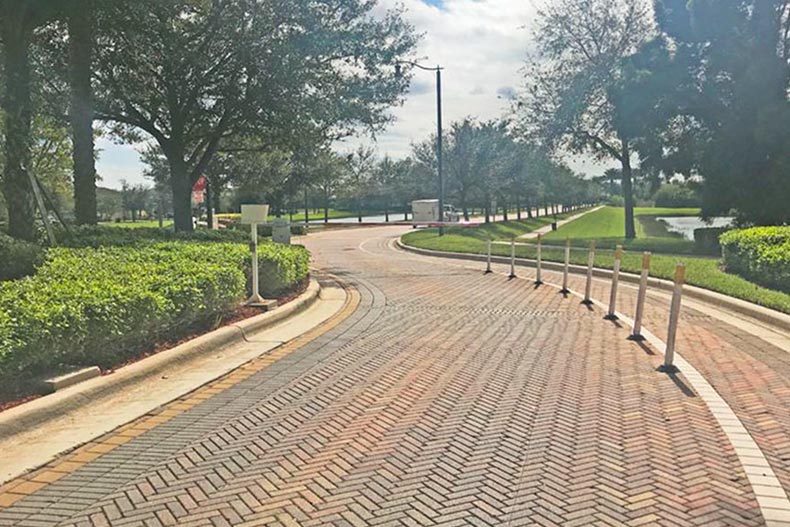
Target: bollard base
point(512, 277)
point(538, 282)
point(611, 317)
point(668, 369)
point(565, 291)
point(636, 338)
point(587, 302)
point(488, 271)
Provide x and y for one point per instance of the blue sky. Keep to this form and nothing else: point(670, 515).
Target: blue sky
point(482, 44)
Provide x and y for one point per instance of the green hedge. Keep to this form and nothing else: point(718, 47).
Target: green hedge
point(18, 258)
point(100, 236)
point(100, 306)
point(759, 254)
point(280, 267)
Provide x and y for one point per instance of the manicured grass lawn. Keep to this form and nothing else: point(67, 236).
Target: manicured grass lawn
point(701, 272)
point(607, 227)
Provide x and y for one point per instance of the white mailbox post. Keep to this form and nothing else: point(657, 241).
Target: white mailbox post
point(253, 215)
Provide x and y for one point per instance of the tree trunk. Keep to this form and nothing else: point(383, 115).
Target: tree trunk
point(182, 193)
point(18, 111)
point(628, 192)
point(464, 206)
point(504, 211)
point(326, 205)
point(209, 205)
point(518, 207)
point(81, 26)
point(359, 210)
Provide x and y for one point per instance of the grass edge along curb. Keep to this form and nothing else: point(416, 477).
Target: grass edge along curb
point(761, 312)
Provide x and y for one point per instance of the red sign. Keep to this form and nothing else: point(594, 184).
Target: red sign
point(200, 185)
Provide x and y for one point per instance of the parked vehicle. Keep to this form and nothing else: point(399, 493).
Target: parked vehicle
point(426, 212)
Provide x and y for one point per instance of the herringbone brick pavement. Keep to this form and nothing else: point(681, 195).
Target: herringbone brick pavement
point(447, 398)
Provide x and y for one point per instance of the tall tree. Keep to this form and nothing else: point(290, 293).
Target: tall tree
point(195, 75)
point(717, 81)
point(359, 176)
point(81, 20)
point(571, 97)
point(18, 20)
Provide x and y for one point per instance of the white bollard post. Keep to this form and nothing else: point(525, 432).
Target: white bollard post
point(488, 258)
point(618, 255)
point(512, 258)
point(674, 316)
point(256, 297)
point(538, 280)
point(636, 333)
point(565, 289)
point(588, 287)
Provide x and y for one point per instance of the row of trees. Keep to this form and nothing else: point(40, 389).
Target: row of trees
point(211, 83)
point(484, 164)
point(697, 90)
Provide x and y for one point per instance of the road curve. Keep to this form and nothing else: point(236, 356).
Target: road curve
point(446, 398)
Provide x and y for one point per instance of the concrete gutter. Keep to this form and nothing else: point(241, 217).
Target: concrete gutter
point(50, 407)
point(763, 314)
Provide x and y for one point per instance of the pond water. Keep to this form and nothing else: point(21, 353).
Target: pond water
point(685, 225)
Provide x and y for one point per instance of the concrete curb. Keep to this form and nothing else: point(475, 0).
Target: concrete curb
point(38, 411)
point(763, 314)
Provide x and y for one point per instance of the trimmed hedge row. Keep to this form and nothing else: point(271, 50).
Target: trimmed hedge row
point(18, 258)
point(759, 254)
point(100, 306)
point(103, 305)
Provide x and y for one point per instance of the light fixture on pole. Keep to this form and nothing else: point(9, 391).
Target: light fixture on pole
point(439, 161)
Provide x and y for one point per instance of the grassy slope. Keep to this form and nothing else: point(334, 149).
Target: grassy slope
point(607, 227)
point(702, 272)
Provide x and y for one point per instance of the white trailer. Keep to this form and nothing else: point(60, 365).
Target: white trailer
point(426, 212)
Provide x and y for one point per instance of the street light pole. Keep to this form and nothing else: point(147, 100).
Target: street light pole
point(439, 147)
point(439, 167)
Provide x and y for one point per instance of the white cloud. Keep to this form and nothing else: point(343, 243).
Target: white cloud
point(481, 44)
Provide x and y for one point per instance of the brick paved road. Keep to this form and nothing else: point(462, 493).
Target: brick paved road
point(446, 398)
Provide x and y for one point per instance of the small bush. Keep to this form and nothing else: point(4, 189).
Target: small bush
point(18, 258)
point(676, 196)
point(281, 267)
point(99, 306)
point(760, 254)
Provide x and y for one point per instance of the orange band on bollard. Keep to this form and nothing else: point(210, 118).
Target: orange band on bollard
point(618, 253)
point(646, 260)
point(680, 273)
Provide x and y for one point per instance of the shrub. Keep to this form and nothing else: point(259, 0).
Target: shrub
point(98, 236)
point(99, 306)
point(281, 267)
point(759, 254)
point(676, 196)
point(18, 258)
